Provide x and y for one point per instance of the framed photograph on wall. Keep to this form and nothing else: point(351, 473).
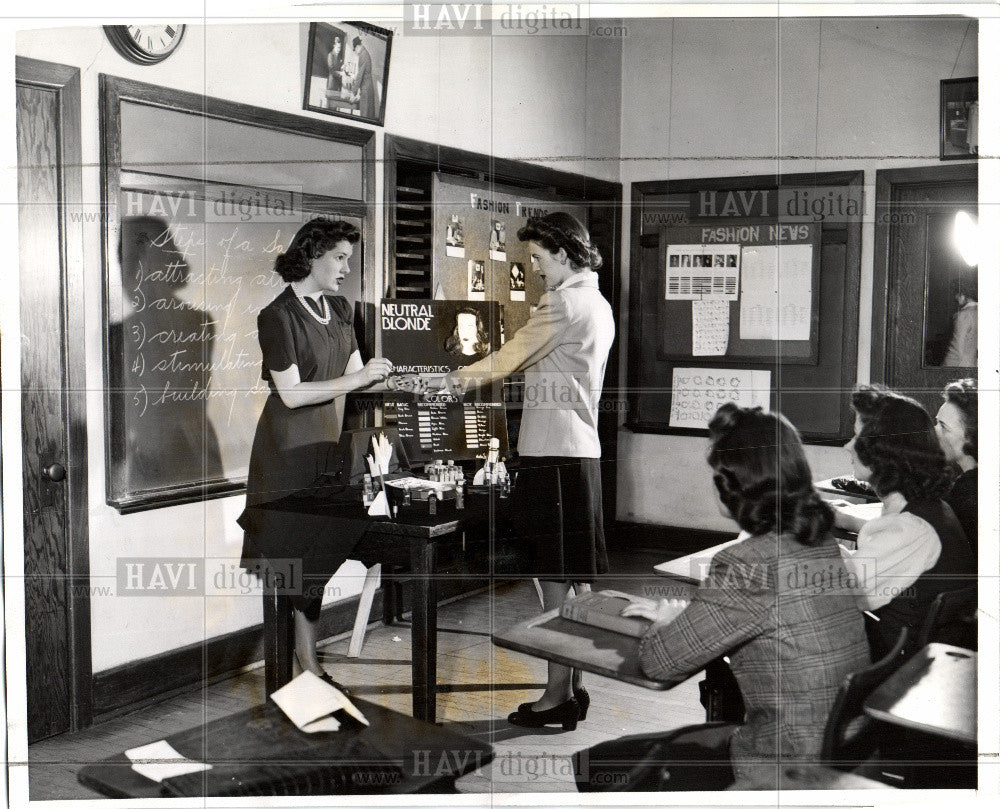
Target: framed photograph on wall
point(347, 70)
point(959, 118)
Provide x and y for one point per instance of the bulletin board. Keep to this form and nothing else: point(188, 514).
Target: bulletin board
point(476, 254)
point(766, 315)
point(756, 297)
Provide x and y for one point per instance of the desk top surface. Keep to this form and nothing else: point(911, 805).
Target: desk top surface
point(590, 648)
point(934, 692)
point(263, 737)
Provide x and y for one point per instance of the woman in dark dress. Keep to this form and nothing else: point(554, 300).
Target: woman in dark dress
point(958, 431)
point(311, 362)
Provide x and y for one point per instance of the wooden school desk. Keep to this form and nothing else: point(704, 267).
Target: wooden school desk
point(260, 752)
point(411, 542)
point(577, 645)
point(934, 692)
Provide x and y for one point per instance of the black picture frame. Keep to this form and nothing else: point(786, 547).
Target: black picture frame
point(339, 82)
point(959, 118)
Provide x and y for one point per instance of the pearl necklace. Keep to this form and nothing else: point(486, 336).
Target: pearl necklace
point(324, 319)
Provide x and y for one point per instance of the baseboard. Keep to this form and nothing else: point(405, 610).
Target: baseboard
point(668, 541)
point(137, 684)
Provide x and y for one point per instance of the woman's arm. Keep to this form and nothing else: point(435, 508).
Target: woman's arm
point(357, 375)
point(533, 340)
point(731, 607)
point(893, 551)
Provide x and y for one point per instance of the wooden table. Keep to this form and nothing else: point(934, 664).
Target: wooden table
point(262, 744)
point(934, 692)
point(411, 542)
point(590, 648)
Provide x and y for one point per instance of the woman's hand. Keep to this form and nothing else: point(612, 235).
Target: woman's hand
point(666, 609)
point(376, 370)
point(407, 383)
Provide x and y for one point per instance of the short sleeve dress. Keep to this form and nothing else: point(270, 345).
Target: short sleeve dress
point(292, 446)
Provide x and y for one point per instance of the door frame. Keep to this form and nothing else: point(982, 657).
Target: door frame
point(887, 184)
point(64, 81)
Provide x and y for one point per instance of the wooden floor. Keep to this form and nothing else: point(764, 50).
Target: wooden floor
point(481, 682)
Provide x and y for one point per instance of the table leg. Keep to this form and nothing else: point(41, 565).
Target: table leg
point(279, 637)
point(423, 632)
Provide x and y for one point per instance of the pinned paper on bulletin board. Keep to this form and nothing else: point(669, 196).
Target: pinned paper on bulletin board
point(698, 392)
point(709, 328)
point(776, 292)
point(702, 271)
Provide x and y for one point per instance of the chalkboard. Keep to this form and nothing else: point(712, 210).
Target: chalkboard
point(198, 196)
point(184, 363)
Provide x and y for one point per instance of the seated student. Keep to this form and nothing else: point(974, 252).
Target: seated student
point(791, 636)
point(958, 432)
point(917, 548)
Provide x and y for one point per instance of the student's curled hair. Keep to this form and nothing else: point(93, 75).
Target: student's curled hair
point(898, 444)
point(964, 394)
point(315, 238)
point(762, 475)
point(561, 230)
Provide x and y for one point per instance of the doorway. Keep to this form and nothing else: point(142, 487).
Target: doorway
point(925, 304)
point(53, 407)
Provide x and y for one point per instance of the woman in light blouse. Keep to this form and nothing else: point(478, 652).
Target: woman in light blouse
point(557, 503)
point(916, 548)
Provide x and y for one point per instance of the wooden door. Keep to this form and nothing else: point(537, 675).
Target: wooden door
point(53, 425)
point(917, 261)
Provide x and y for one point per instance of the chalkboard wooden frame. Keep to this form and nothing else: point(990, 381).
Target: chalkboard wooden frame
point(835, 379)
point(114, 91)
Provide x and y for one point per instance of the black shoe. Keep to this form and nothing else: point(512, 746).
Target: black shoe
point(326, 678)
point(581, 696)
point(567, 714)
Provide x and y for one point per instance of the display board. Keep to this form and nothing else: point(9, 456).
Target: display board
point(745, 289)
point(476, 254)
point(434, 337)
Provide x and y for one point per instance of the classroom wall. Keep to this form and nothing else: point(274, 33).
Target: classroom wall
point(466, 92)
point(725, 98)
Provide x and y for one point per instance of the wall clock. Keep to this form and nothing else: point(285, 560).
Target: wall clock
point(147, 43)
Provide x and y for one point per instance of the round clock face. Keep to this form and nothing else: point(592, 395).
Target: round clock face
point(147, 43)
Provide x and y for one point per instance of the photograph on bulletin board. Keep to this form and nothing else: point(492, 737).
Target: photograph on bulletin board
point(748, 291)
point(476, 254)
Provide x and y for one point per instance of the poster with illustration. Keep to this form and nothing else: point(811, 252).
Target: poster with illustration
point(516, 281)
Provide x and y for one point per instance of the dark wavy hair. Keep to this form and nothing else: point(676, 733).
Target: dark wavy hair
point(453, 345)
point(898, 443)
point(561, 230)
point(762, 475)
point(964, 394)
point(314, 238)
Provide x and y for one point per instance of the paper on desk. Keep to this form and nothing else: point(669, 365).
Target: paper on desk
point(308, 702)
point(860, 511)
point(159, 760)
point(379, 506)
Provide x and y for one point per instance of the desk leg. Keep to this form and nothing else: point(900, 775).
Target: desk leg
point(424, 632)
point(279, 638)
